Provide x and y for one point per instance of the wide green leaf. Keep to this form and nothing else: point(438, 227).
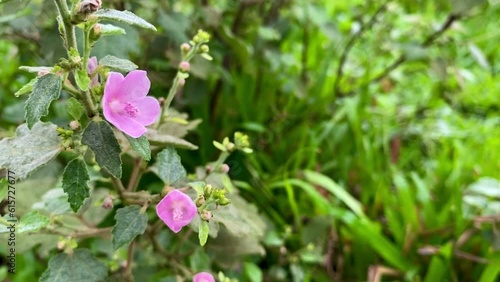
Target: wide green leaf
point(130, 222)
point(141, 146)
point(32, 222)
point(82, 79)
point(46, 89)
point(75, 108)
point(79, 266)
point(125, 17)
point(30, 149)
point(75, 177)
point(170, 168)
point(118, 64)
point(102, 141)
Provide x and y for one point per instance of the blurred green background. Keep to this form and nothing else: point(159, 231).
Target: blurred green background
point(375, 124)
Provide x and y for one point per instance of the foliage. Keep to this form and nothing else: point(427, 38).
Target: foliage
point(373, 130)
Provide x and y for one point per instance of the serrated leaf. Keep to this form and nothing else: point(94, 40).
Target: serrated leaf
point(157, 138)
point(109, 29)
point(32, 222)
point(30, 149)
point(75, 108)
point(46, 89)
point(26, 88)
point(130, 222)
point(82, 79)
point(102, 141)
point(203, 232)
point(79, 266)
point(118, 64)
point(141, 146)
point(170, 168)
point(74, 183)
point(54, 201)
point(125, 17)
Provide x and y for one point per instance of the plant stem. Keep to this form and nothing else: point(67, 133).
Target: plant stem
point(135, 176)
point(119, 188)
point(130, 256)
point(89, 104)
point(69, 29)
point(86, 45)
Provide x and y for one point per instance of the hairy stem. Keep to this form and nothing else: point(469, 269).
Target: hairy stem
point(69, 29)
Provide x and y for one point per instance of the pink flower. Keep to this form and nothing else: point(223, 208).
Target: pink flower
point(203, 277)
point(91, 67)
point(176, 210)
point(125, 104)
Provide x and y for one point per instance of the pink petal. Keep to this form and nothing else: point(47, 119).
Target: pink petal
point(125, 124)
point(149, 109)
point(176, 210)
point(113, 85)
point(203, 277)
point(136, 85)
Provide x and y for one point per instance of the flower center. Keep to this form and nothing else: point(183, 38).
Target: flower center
point(177, 213)
point(131, 110)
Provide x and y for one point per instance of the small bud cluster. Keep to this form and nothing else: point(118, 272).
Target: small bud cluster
point(207, 195)
point(241, 142)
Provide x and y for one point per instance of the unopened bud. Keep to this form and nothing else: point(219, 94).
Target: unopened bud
point(207, 191)
point(204, 48)
point(61, 245)
point(208, 168)
point(95, 32)
point(74, 125)
point(200, 201)
point(182, 81)
point(185, 47)
point(230, 146)
point(108, 202)
point(184, 66)
point(223, 202)
point(206, 215)
point(224, 168)
point(89, 6)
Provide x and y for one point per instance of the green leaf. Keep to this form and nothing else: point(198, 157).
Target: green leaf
point(157, 138)
point(141, 146)
point(30, 149)
point(74, 183)
point(219, 146)
point(118, 64)
point(79, 266)
point(46, 89)
point(198, 186)
point(109, 29)
point(170, 168)
point(32, 222)
point(26, 88)
point(130, 222)
point(75, 108)
point(102, 141)
point(125, 17)
point(253, 272)
point(203, 232)
point(82, 79)
point(4, 188)
point(336, 190)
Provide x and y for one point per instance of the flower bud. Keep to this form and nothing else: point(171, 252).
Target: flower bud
point(185, 47)
point(161, 100)
point(74, 125)
point(208, 169)
point(207, 191)
point(89, 6)
point(184, 66)
point(95, 32)
point(206, 215)
point(200, 201)
point(108, 202)
point(182, 81)
point(204, 48)
point(223, 202)
point(224, 168)
point(61, 244)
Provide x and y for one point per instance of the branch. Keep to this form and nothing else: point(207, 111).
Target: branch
point(426, 43)
point(355, 37)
